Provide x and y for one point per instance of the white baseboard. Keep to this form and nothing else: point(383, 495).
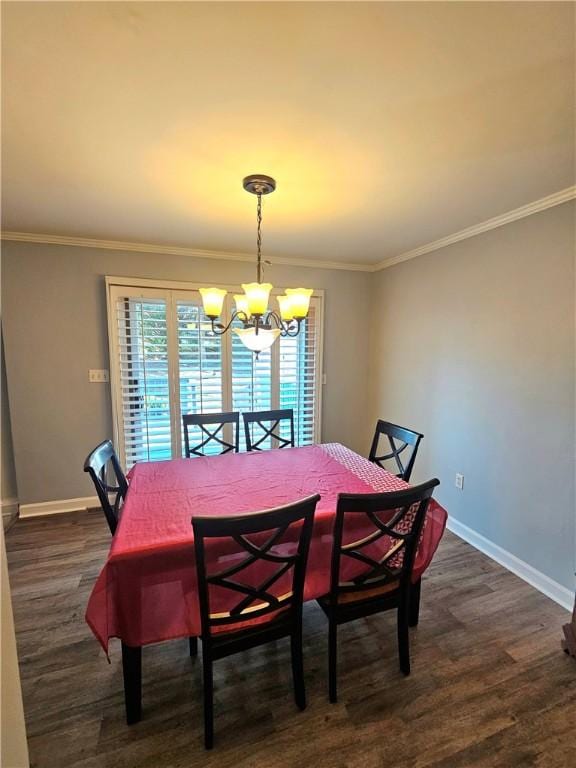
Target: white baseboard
point(57, 507)
point(9, 509)
point(552, 589)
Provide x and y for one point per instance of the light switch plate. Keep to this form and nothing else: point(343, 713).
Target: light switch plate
point(98, 376)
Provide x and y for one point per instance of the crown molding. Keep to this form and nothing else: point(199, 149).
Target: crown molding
point(121, 245)
point(550, 201)
point(563, 196)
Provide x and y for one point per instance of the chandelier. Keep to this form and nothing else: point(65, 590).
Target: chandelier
point(260, 326)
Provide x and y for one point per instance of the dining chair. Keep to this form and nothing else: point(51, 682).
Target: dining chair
point(259, 419)
point(203, 421)
point(375, 541)
point(399, 439)
point(100, 464)
point(109, 480)
point(253, 595)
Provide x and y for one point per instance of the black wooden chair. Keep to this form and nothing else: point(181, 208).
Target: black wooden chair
point(259, 420)
point(372, 563)
point(109, 480)
point(269, 605)
point(203, 421)
point(399, 438)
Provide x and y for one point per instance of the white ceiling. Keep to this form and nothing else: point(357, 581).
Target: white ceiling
point(386, 125)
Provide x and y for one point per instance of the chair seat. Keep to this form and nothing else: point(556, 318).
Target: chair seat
point(361, 595)
point(243, 626)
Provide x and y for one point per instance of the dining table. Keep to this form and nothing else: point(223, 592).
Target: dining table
point(147, 590)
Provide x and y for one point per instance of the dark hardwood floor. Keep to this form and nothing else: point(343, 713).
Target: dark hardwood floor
point(489, 686)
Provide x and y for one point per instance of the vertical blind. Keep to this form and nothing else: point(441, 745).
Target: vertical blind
point(298, 378)
point(251, 381)
point(199, 366)
point(143, 382)
point(165, 362)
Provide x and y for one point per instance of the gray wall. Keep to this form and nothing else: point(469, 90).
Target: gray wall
point(54, 317)
point(474, 346)
point(7, 470)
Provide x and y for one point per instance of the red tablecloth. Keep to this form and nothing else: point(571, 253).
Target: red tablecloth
point(147, 590)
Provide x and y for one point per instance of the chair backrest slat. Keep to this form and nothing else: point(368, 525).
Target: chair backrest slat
point(204, 422)
point(399, 440)
point(260, 419)
point(375, 538)
point(253, 564)
point(102, 465)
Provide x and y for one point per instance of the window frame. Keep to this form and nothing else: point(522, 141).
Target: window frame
point(172, 291)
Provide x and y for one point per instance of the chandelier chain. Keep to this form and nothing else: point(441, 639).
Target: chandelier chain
point(259, 236)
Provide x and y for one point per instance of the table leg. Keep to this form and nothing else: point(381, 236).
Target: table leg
point(132, 671)
point(414, 605)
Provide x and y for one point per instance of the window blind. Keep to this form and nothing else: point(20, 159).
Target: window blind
point(298, 381)
point(251, 382)
point(142, 349)
point(200, 367)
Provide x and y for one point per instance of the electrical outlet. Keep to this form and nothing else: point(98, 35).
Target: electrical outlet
point(98, 376)
point(459, 482)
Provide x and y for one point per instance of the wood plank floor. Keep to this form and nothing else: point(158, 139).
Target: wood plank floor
point(489, 687)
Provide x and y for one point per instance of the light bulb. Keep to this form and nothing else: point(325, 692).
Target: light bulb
point(300, 300)
point(212, 300)
point(242, 304)
point(257, 295)
point(286, 308)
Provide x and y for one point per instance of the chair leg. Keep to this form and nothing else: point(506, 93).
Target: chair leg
point(298, 669)
point(415, 590)
point(332, 660)
point(193, 641)
point(132, 673)
point(403, 636)
point(208, 699)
